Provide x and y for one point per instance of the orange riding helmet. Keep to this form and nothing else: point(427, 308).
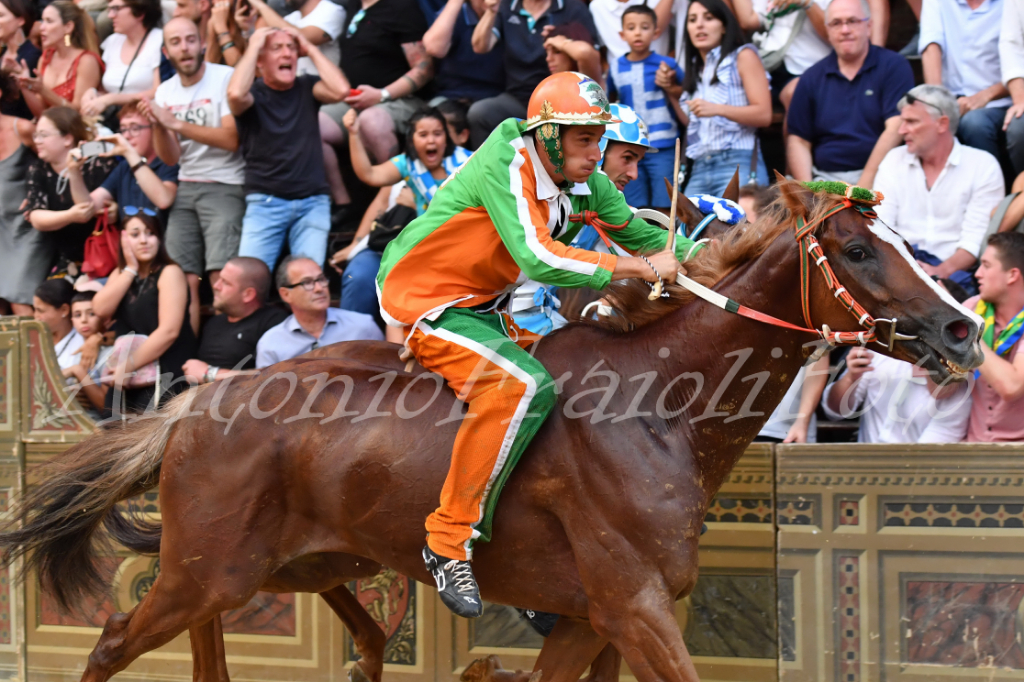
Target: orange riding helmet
point(566, 98)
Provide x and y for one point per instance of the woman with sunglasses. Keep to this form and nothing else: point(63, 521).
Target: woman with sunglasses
point(131, 56)
point(49, 205)
point(140, 179)
point(147, 294)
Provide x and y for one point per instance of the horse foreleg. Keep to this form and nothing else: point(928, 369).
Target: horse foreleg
point(643, 628)
point(367, 634)
point(606, 666)
point(208, 659)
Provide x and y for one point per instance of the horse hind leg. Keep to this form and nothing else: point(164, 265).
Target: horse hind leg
point(163, 614)
point(368, 636)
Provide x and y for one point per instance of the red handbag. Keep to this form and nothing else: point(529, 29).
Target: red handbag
point(101, 248)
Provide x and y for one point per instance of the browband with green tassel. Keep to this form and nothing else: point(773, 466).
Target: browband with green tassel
point(860, 195)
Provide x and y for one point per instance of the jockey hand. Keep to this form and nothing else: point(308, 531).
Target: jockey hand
point(666, 264)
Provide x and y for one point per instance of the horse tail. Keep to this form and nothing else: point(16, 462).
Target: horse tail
point(77, 492)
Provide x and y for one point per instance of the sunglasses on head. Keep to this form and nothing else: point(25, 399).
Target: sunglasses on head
point(911, 99)
point(136, 210)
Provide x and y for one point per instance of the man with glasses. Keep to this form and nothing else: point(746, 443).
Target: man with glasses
point(313, 322)
point(959, 46)
point(843, 117)
point(141, 179)
point(939, 193)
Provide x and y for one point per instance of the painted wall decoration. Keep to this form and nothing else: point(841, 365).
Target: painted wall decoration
point(965, 624)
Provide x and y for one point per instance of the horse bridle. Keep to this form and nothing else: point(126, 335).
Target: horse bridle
point(804, 233)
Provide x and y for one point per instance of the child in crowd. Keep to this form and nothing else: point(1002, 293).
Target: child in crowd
point(88, 325)
point(754, 199)
point(430, 157)
point(456, 116)
point(648, 83)
point(570, 47)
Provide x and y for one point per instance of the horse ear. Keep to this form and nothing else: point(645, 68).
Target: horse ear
point(685, 210)
point(794, 195)
point(732, 191)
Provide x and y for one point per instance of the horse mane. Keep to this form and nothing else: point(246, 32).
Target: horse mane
point(740, 245)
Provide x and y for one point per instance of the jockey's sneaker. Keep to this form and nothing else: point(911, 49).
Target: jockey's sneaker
point(456, 584)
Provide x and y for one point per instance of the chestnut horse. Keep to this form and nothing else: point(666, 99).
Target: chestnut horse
point(317, 472)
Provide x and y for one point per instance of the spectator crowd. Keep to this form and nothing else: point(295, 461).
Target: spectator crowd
point(175, 175)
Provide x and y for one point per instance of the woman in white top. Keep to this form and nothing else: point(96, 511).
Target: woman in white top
point(725, 99)
point(52, 306)
point(131, 55)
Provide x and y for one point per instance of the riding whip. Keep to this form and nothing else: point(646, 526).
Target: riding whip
point(670, 245)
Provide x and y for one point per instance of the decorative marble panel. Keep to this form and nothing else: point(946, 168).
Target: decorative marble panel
point(732, 616)
point(849, 513)
point(965, 624)
point(848, 621)
point(390, 599)
point(954, 514)
point(5, 608)
point(799, 511)
point(787, 617)
point(739, 510)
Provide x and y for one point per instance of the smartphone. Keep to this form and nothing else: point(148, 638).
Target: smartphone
point(92, 149)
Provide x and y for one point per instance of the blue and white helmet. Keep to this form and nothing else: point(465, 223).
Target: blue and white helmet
point(631, 128)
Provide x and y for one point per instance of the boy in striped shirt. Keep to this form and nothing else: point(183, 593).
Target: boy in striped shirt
point(644, 81)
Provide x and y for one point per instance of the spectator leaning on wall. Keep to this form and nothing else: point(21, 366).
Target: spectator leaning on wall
point(998, 399)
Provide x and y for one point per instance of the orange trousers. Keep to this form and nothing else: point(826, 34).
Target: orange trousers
point(509, 395)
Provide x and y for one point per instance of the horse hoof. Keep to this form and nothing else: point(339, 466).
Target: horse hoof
point(358, 674)
point(481, 670)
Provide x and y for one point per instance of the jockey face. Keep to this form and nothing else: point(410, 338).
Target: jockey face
point(581, 151)
point(620, 162)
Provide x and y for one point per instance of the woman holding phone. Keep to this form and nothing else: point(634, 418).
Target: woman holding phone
point(50, 207)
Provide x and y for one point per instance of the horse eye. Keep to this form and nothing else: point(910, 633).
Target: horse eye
point(856, 254)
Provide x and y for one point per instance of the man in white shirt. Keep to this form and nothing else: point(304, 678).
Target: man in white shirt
point(321, 21)
point(939, 193)
point(897, 402)
point(959, 44)
point(192, 127)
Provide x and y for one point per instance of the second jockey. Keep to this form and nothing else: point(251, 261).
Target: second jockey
point(504, 217)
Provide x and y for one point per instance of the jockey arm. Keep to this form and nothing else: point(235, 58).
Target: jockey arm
point(510, 198)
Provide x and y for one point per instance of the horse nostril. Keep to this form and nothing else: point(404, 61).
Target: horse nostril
point(958, 329)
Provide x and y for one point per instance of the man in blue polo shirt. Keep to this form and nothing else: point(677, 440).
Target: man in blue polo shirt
point(519, 26)
point(461, 73)
point(844, 119)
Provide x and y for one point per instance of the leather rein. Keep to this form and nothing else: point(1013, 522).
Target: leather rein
point(804, 233)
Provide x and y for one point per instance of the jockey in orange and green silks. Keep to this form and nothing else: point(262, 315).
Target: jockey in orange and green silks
point(505, 217)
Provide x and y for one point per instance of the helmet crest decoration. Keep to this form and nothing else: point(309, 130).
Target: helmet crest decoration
point(566, 98)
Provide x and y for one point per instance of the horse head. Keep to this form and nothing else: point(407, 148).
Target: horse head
point(862, 267)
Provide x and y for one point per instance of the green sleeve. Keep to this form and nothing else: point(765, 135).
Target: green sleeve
point(499, 186)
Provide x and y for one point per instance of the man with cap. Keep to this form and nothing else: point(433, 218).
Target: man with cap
point(508, 215)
